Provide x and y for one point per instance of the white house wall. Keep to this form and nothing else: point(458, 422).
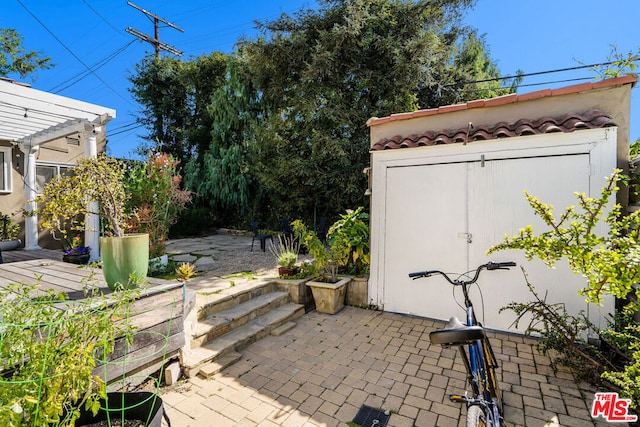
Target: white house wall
point(427, 200)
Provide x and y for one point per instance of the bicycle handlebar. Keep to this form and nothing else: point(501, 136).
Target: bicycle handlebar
point(488, 266)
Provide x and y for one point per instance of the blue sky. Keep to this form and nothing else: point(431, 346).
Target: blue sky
point(80, 34)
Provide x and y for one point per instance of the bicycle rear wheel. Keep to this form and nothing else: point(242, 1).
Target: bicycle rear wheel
point(476, 417)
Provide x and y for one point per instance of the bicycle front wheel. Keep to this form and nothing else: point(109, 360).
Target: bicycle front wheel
point(492, 379)
point(476, 417)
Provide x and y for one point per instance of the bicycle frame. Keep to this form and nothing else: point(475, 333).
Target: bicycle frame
point(478, 357)
point(481, 359)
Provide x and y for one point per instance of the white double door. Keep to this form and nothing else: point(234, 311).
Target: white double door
point(445, 217)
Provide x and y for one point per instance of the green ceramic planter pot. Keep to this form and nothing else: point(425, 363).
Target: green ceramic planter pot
point(124, 258)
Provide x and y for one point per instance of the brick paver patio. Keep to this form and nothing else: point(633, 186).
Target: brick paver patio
point(323, 370)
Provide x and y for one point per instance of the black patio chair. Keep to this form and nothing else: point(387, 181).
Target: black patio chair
point(322, 229)
point(262, 237)
point(287, 232)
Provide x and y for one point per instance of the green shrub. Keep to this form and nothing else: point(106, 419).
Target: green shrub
point(8, 230)
point(195, 221)
point(348, 244)
point(610, 263)
point(156, 199)
point(48, 352)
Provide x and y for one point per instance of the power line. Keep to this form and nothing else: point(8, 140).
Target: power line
point(577, 79)
point(118, 132)
point(537, 73)
point(101, 17)
point(80, 76)
point(528, 84)
point(126, 125)
point(70, 51)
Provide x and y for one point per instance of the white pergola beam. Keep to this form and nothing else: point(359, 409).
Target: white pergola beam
point(55, 132)
point(43, 111)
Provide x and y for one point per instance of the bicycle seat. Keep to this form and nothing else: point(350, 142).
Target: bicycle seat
point(455, 333)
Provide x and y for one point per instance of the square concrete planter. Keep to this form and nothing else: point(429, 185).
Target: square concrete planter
point(329, 297)
point(358, 292)
point(297, 288)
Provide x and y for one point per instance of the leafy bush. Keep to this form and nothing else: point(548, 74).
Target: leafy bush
point(156, 199)
point(611, 265)
point(624, 337)
point(349, 241)
point(67, 199)
point(348, 244)
point(610, 262)
point(8, 230)
point(48, 352)
point(193, 222)
point(563, 333)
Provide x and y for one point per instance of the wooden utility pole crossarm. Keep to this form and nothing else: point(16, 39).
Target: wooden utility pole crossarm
point(155, 41)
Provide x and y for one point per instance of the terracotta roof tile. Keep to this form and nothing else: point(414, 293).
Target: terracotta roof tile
point(567, 123)
point(508, 99)
point(401, 116)
point(534, 95)
point(450, 108)
point(582, 87)
point(478, 103)
point(501, 100)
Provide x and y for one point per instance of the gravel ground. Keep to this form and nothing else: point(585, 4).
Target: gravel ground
point(225, 254)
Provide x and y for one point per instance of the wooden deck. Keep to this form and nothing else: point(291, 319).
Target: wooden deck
point(22, 255)
point(24, 266)
point(158, 315)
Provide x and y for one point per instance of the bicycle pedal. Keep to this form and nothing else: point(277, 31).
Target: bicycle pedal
point(457, 398)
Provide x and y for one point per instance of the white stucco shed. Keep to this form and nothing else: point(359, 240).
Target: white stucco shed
point(447, 184)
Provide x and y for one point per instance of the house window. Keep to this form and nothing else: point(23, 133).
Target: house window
point(5, 170)
point(45, 172)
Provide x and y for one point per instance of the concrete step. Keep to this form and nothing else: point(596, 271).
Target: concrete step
point(193, 359)
point(213, 303)
point(232, 318)
point(210, 369)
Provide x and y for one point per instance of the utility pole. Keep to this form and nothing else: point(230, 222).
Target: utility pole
point(155, 40)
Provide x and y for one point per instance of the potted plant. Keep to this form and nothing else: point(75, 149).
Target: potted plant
point(76, 252)
point(96, 187)
point(143, 407)
point(48, 352)
point(157, 200)
point(328, 292)
point(9, 232)
point(347, 251)
point(349, 241)
point(286, 254)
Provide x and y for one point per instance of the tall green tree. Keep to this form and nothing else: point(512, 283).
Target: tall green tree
point(221, 175)
point(321, 74)
point(14, 58)
point(174, 96)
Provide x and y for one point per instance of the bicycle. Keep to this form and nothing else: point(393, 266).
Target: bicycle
point(485, 407)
